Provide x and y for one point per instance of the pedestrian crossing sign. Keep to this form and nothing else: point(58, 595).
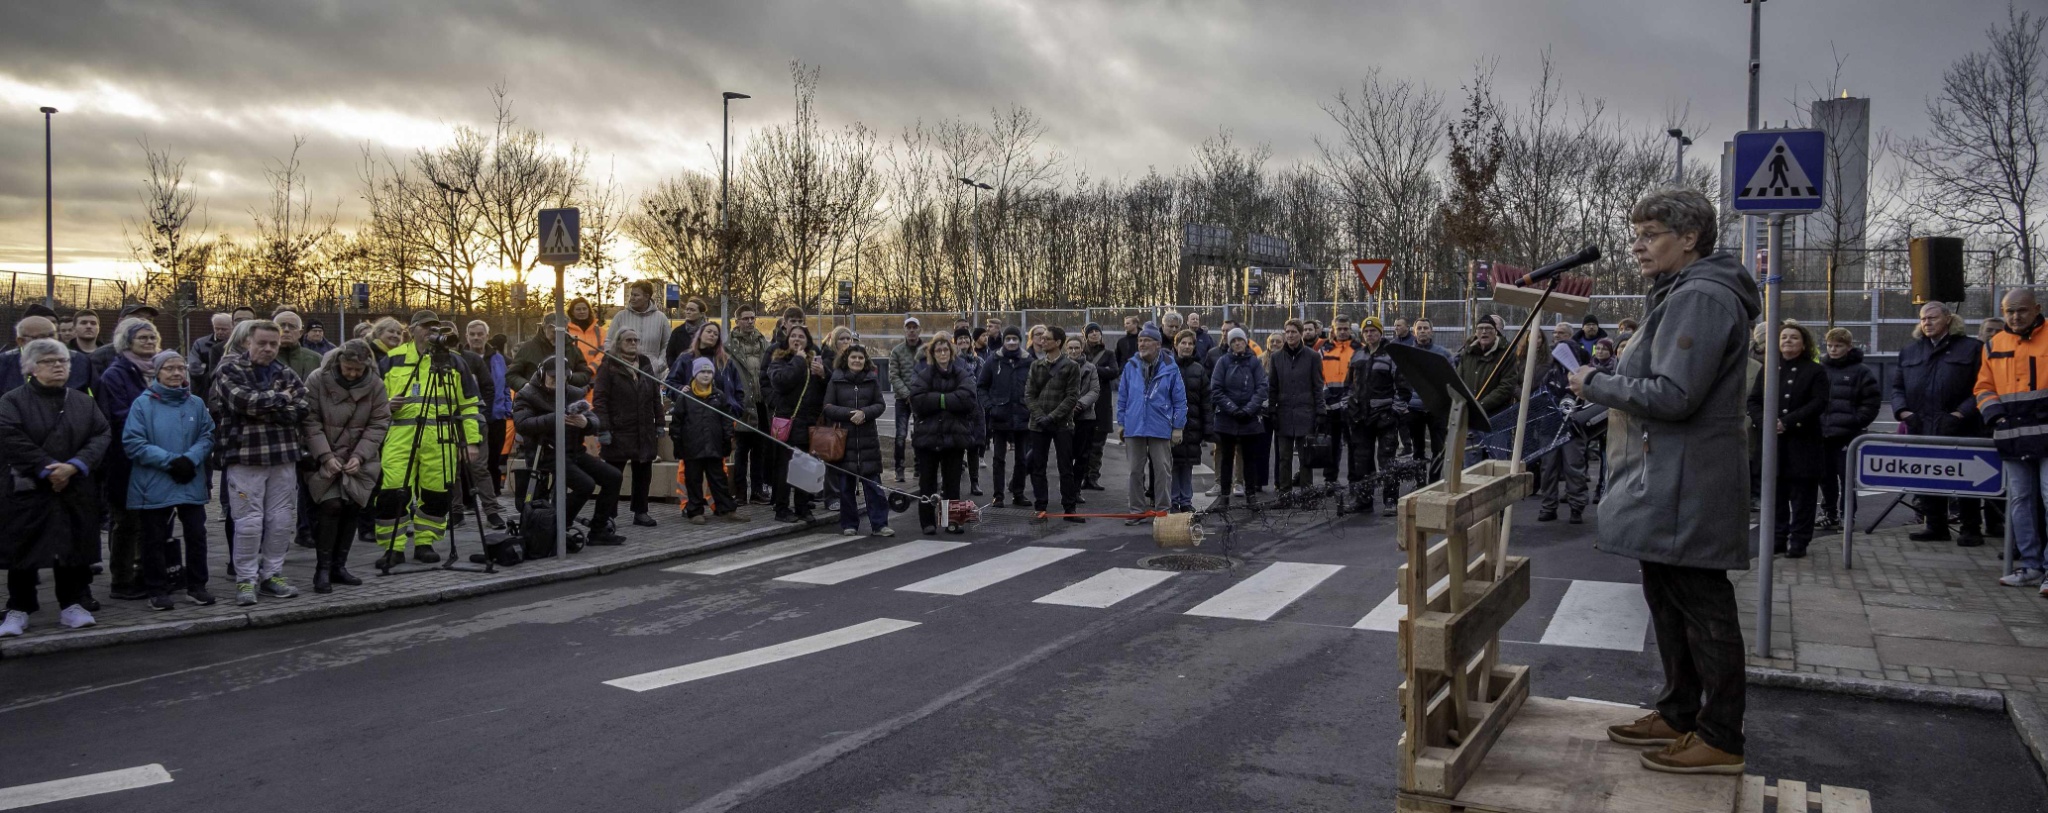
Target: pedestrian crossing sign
point(1779, 171)
point(561, 238)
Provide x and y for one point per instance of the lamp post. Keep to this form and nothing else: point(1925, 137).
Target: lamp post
point(724, 207)
point(977, 186)
point(49, 220)
point(1684, 141)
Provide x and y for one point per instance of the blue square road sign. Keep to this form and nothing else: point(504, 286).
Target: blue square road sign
point(1779, 171)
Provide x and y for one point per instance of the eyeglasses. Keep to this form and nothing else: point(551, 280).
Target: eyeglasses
point(58, 362)
point(1649, 237)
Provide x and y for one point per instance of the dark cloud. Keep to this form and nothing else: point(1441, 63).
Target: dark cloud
point(1121, 86)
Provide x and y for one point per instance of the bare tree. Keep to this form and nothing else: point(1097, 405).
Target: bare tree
point(520, 173)
point(165, 241)
point(602, 223)
point(1470, 213)
point(1382, 166)
point(1977, 167)
point(422, 206)
point(286, 254)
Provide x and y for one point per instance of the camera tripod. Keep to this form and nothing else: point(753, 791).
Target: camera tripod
point(440, 390)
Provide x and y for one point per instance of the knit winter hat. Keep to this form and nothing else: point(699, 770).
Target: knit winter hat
point(1235, 334)
point(701, 365)
point(156, 362)
point(1151, 331)
point(1012, 331)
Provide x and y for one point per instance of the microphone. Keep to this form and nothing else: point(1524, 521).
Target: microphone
point(1590, 253)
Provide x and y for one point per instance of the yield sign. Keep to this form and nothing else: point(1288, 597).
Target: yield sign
point(1371, 273)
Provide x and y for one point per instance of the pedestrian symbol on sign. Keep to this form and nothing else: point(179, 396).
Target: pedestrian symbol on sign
point(1779, 177)
point(561, 239)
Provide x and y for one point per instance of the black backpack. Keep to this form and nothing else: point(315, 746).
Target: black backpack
point(537, 531)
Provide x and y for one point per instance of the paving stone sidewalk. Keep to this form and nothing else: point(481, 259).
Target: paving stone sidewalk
point(1929, 613)
point(126, 621)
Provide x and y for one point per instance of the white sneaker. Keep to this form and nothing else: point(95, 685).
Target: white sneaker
point(75, 617)
point(1213, 491)
point(1237, 490)
point(885, 531)
point(14, 624)
point(2023, 577)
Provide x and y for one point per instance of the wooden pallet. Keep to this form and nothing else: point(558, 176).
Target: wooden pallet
point(1457, 699)
point(1790, 796)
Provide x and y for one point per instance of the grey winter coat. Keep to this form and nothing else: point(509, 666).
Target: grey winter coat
point(345, 422)
point(1679, 494)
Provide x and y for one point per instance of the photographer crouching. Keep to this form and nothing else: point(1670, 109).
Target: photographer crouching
point(533, 417)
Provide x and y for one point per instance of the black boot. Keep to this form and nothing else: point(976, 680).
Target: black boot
point(1934, 533)
point(337, 563)
point(321, 584)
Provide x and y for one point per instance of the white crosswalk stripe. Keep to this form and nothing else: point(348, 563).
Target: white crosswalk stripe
point(982, 574)
point(757, 657)
point(1266, 592)
point(1107, 588)
point(1385, 617)
point(58, 790)
point(771, 552)
point(866, 564)
point(1600, 615)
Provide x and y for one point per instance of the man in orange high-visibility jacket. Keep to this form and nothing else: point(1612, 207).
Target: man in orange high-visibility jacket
point(1336, 352)
point(2012, 395)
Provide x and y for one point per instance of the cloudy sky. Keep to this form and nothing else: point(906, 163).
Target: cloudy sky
point(1121, 84)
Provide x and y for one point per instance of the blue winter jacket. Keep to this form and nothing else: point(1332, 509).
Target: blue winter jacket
point(501, 394)
point(117, 389)
point(1151, 408)
point(166, 424)
point(1237, 394)
point(1002, 383)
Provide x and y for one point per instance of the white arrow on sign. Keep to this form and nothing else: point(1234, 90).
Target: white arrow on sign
point(1972, 470)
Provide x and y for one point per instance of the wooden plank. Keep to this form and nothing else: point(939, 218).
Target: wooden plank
point(1554, 757)
point(1791, 796)
point(1752, 795)
point(1484, 497)
point(1454, 469)
point(1439, 642)
point(1843, 800)
point(1443, 771)
point(1438, 600)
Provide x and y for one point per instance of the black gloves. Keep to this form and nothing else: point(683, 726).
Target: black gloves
point(182, 470)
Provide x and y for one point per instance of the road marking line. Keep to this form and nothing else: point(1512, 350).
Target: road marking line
point(1600, 615)
point(78, 787)
point(1107, 588)
point(1386, 617)
point(1866, 492)
point(982, 574)
point(1267, 592)
point(1602, 702)
point(771, 552)
point(759, 657)
point(865, 564)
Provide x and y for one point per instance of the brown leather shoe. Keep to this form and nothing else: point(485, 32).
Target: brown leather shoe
point(1692, 755)
point(1650, 730)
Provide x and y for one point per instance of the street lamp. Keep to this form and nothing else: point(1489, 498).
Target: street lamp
point(977, 186)
point(49, 220)
point(724, 208)
point(1684, 141)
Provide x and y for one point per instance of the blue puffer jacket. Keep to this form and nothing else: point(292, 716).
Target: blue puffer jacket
point(166, 424)
point(1151, 408)
point(501, 393)
point(1237, 394)
point(1002, 385)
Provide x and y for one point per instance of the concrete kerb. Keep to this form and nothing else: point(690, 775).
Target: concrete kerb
point(2031, 721)
point(1955, 696)
point(95, 638)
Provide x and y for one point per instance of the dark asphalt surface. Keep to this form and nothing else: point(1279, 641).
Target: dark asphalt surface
point(991, 703)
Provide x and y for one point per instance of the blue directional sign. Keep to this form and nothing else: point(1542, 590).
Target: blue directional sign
point(1955, 470)
point(561, 237)
point(1779, 171)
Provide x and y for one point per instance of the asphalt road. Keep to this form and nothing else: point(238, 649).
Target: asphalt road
point(983, 701)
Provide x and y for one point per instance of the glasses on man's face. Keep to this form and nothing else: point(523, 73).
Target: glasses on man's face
point(629, 340)
point(53, 363)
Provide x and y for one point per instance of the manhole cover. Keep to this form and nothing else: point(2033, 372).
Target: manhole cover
point(1187, 562)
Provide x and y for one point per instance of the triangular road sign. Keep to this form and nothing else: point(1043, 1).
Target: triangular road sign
point(1779, 176)
point(1371, 273)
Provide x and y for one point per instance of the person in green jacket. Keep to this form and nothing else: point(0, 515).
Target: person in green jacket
point(1478, 359)
point(902, 363)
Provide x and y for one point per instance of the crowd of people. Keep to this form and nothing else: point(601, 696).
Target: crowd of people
point(387, 436)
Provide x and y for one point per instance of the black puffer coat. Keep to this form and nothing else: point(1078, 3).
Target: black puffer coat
point(795, 394)
point(1195, 379)
point(851, 392)
point(533, 416)
point(697, 430)
point(1935, 378)
point(1107, 371)
point(1004, 377)
point(1852, 396)
point(1802, 399)
point(947, 411)
point(39, 526)
point(1296, 385)
point(630, 405)
point(1375, 386)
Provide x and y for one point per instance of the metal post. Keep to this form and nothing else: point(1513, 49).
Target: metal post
point(49, 219)
point(341, 320)
point(1766, 529)
point(724, 211)
point(561, 421)
point(1756, 21)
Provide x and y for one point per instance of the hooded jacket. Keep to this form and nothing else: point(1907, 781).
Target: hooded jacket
point(163, 425)
point(1152, 406)
point(1237, 394)
point(1194, 379)
point(1679, 491)
point(525, 366)
point(1935, 379)
point(1852, 396)
point(1004, 378)
point(345, 421)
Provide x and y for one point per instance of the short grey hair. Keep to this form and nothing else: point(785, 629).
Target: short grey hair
point(124, 333)
point(1681, 209)
point(248, 327)
point(1942, 306)
point(612, 343)
point(40, 349)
